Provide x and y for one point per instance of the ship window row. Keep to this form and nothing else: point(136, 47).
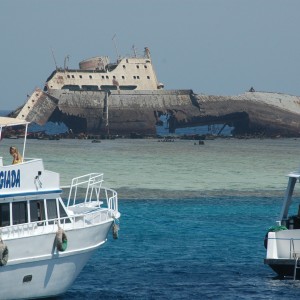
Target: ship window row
point(23, 212)
point(71, 87)
point(105, 77)
point(137, 66)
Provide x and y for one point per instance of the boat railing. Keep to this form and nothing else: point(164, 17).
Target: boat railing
point(18, 230)
point(293, 244)
point(81, 220)
point(87, 190)
point(91, 183)
point(294, 251)
point(51, 225)
point(112, 199)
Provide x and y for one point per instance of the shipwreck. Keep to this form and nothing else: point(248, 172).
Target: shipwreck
point(126, 97)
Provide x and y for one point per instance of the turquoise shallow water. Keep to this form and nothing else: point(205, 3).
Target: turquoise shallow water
point(193, 217)
point(222, 166)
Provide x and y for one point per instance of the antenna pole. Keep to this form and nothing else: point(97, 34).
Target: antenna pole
point(65, 64)
point(134, 51)
point(118, 56)
point(54, 58)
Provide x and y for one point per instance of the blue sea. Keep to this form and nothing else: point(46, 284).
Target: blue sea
point(193, 218)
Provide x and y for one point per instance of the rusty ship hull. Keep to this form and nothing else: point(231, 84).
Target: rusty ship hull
point(126, 97)
point(126, 112)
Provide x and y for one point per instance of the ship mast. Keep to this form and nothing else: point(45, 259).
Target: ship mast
point(54, 59)
point(65, 62)
point(117, 52)
point(134, 51)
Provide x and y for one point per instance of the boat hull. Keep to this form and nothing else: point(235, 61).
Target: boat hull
point(127, 112)
point(283, 267)
point(46, 278)
point(45, 272)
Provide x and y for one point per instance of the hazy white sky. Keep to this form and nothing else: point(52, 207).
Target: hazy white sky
point(218, 47)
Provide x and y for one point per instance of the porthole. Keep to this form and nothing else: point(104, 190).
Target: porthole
point(27, 278)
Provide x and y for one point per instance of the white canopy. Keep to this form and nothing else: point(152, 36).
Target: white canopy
point(6, 121)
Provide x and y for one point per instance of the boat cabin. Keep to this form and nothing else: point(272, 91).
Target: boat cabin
point(42, 211)
point(290, 213)
point(28, 192)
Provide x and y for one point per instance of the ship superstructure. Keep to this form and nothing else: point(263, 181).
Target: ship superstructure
point(98, 74)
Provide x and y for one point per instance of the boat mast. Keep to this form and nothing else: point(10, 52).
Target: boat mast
point(25, 138)
point(65, 62)
point(117, 52)
point(54, 59)
point(134, 51)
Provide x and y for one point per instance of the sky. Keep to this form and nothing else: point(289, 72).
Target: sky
point(214, 47)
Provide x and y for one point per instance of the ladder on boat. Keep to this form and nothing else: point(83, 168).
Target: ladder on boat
point(296, 256)
point(296, 266)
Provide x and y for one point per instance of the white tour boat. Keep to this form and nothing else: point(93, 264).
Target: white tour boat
point(282, 241)
point(46, 240)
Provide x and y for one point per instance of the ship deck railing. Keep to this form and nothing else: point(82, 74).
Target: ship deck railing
point(87, 191)
point(94, 217)
point(292, 244)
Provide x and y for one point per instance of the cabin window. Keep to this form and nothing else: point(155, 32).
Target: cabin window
point(68, 76)
point(90, 76)
point(148, 77)
point(145, 66)
point(37, 210)
point(107, 77)
point(137, 66)
point(19, 212)
point(71, 87)
point(138, 77)
point(51, 210)
point(80, 76)
point(109, 87)
point(114, 77)
point(4, 214)
point(134, 77)
point(90, 88)
point(73, 76)
point(103, 77)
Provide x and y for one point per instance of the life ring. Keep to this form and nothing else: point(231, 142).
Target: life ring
point(3, 254)
point(61, 240)
point(115, 229)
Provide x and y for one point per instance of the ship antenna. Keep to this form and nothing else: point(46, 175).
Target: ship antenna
point(118, 55)
point(65, 63)
point(54, 58)
point(134, 51)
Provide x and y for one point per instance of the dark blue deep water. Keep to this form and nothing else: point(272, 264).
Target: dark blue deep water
point(205, 248)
